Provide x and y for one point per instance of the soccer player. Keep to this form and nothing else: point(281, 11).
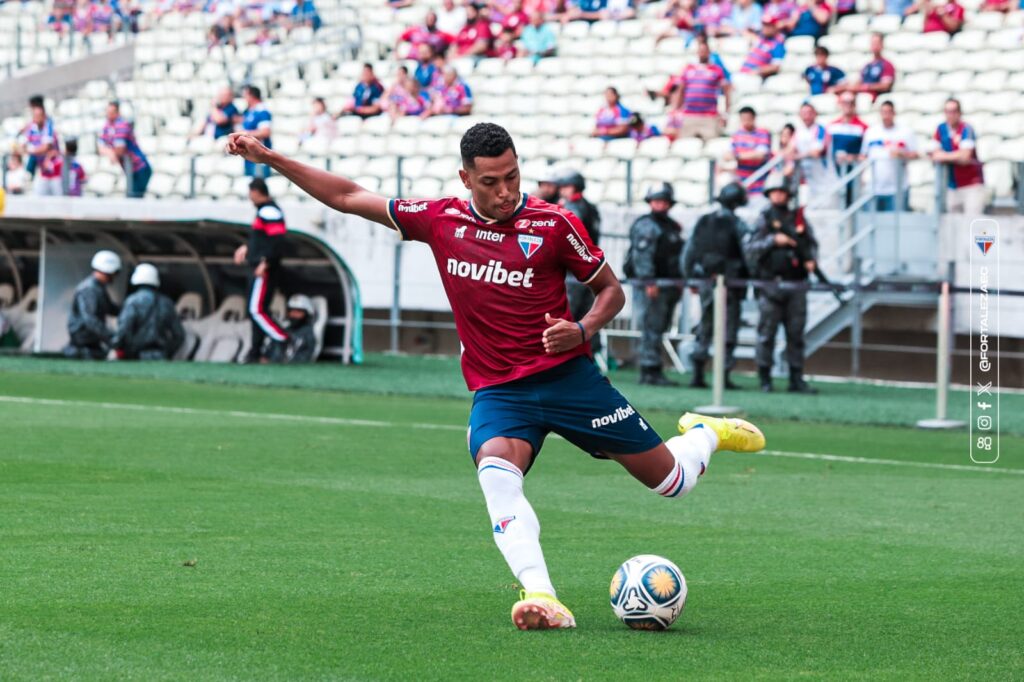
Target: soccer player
point(503, 257)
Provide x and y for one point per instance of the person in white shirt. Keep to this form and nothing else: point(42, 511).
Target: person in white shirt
point(888, 147)
point(450, 19)
point(812, 153)
point(321, 128)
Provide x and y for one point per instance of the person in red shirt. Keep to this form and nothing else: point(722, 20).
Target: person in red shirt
point(517, 20)
point(475, 38)
point(503, 257)
point(948, 16)
point(428, 33)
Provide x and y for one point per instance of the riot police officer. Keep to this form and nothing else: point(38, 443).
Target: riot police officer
point(716, 248)
point(781, 247)
point(547, 187)
point(90, 307)
point(581, 298)
point(148, 327)
point(301, 344)
point(655, 244)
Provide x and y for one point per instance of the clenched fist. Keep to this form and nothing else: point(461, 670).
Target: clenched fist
point(248, 147)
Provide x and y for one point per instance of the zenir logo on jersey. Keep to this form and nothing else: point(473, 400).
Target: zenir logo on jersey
point(530, 244)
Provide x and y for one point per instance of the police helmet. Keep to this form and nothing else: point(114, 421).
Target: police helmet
point(145, 274)
point(663, 191)
point(301, 302)
point(573, 179)
point(777, 181)
point(107, 262)
point(733, 196)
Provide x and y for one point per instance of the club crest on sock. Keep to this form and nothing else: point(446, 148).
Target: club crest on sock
point(502, 524)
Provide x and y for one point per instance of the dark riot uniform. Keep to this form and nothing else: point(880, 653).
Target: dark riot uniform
point(301, 343)
point(581, 298)
point(265, 240)
point(655, 245)
point(148, 327)
point(87, 321)
point(716, 248)
point(770, 261)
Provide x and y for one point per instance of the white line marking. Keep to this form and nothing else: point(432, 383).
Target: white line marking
point(372, 423)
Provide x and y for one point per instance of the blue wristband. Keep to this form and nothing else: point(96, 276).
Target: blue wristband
point(583, 332)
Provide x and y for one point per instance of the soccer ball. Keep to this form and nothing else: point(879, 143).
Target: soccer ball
point(648, 592)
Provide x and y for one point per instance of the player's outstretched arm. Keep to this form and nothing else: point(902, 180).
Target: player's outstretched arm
point(339, 193)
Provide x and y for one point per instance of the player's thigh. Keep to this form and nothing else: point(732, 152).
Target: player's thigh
point(506, 422)
point(593, 415)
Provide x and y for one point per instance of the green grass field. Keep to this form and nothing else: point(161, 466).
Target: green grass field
point(156, 528)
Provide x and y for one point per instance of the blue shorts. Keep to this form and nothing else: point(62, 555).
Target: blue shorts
point(574, 400)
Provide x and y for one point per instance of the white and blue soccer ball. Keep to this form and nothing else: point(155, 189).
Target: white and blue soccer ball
point(648, 592)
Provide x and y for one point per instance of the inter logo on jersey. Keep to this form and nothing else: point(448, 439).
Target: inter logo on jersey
point(502, 524)
point(984, 243)
point(530, 244)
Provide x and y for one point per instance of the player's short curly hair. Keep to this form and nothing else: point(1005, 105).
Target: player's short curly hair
point(484, 139)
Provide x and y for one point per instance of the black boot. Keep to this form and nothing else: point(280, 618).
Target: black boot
point(653, 376)
point(765, 375)
point(730, 384)
point(797, 383)
point(697, 380)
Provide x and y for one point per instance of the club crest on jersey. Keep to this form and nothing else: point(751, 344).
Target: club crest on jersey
point(530, 244)
point(502, 524)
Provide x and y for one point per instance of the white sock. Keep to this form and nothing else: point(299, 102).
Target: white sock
point(693, 453)
point(515, 525)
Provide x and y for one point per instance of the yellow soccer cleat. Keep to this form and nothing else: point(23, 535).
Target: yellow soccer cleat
point(737, 435)
point(541, 611)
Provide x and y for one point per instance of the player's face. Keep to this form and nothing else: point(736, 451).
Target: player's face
point(494, 183)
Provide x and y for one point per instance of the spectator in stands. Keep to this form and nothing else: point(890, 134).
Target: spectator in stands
point(82, 18)
point(321, 128)
point(822, 76)
point(504, 45)
point(744, 20)
point(62, 15)
point(453, 98)
point(844, 7)
point(947, 16)
point(104, 19)
point(366, 98)
point(676, 82)
point(965, 180)
point(516, 20)
point(639, 130)
point(304, 13)
point(995, 5)
point(612, 120)
point(17, 178)
point(48, 182)
point(301, 344)
point(584, 10)
point(811, 143)
point(782, 13)
point(257, 122)
point(408, 98)
point(889, 146)
point(896, 7)
point(846, 133)
point(751, 149)
point(683, 14)
point(223, 116)
point(450, 18)
point(73, 179)
point(428, 33)
point(475, 38)
point(425, 71)
point(877, 76)
point(675, 117)
point(39, 136)
point(222, 34)
point(118, 144)
point(812, 18)
point(538, 39)
point(148, 327)
point(265, 37)
point(765, 57)
point(712, 16)
point(702, 84)
point(619, 10)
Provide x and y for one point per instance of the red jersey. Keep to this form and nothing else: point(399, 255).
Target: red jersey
point(501, 278)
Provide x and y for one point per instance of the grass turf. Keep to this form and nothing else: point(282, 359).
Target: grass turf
point(331, 551)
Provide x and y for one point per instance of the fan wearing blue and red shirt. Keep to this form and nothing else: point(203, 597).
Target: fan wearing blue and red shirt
point(39, 136)
point(366, 97)
point(453, 97)
point(965, 180)
point(752, 149)
point(822, 76)
point(765, 57)
point(846, 133)
point(117, 142)
point(812, 19)
point(612, 120)
point(502, 257)
point(702, 84)
point(877, 76)
point(256, 121)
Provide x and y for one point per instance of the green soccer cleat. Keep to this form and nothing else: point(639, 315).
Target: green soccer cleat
point(541, 611)
point(737, 435)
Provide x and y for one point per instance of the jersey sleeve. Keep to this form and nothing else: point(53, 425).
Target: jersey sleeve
point(577, 251)
point(967, 138)
point(414, 218)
